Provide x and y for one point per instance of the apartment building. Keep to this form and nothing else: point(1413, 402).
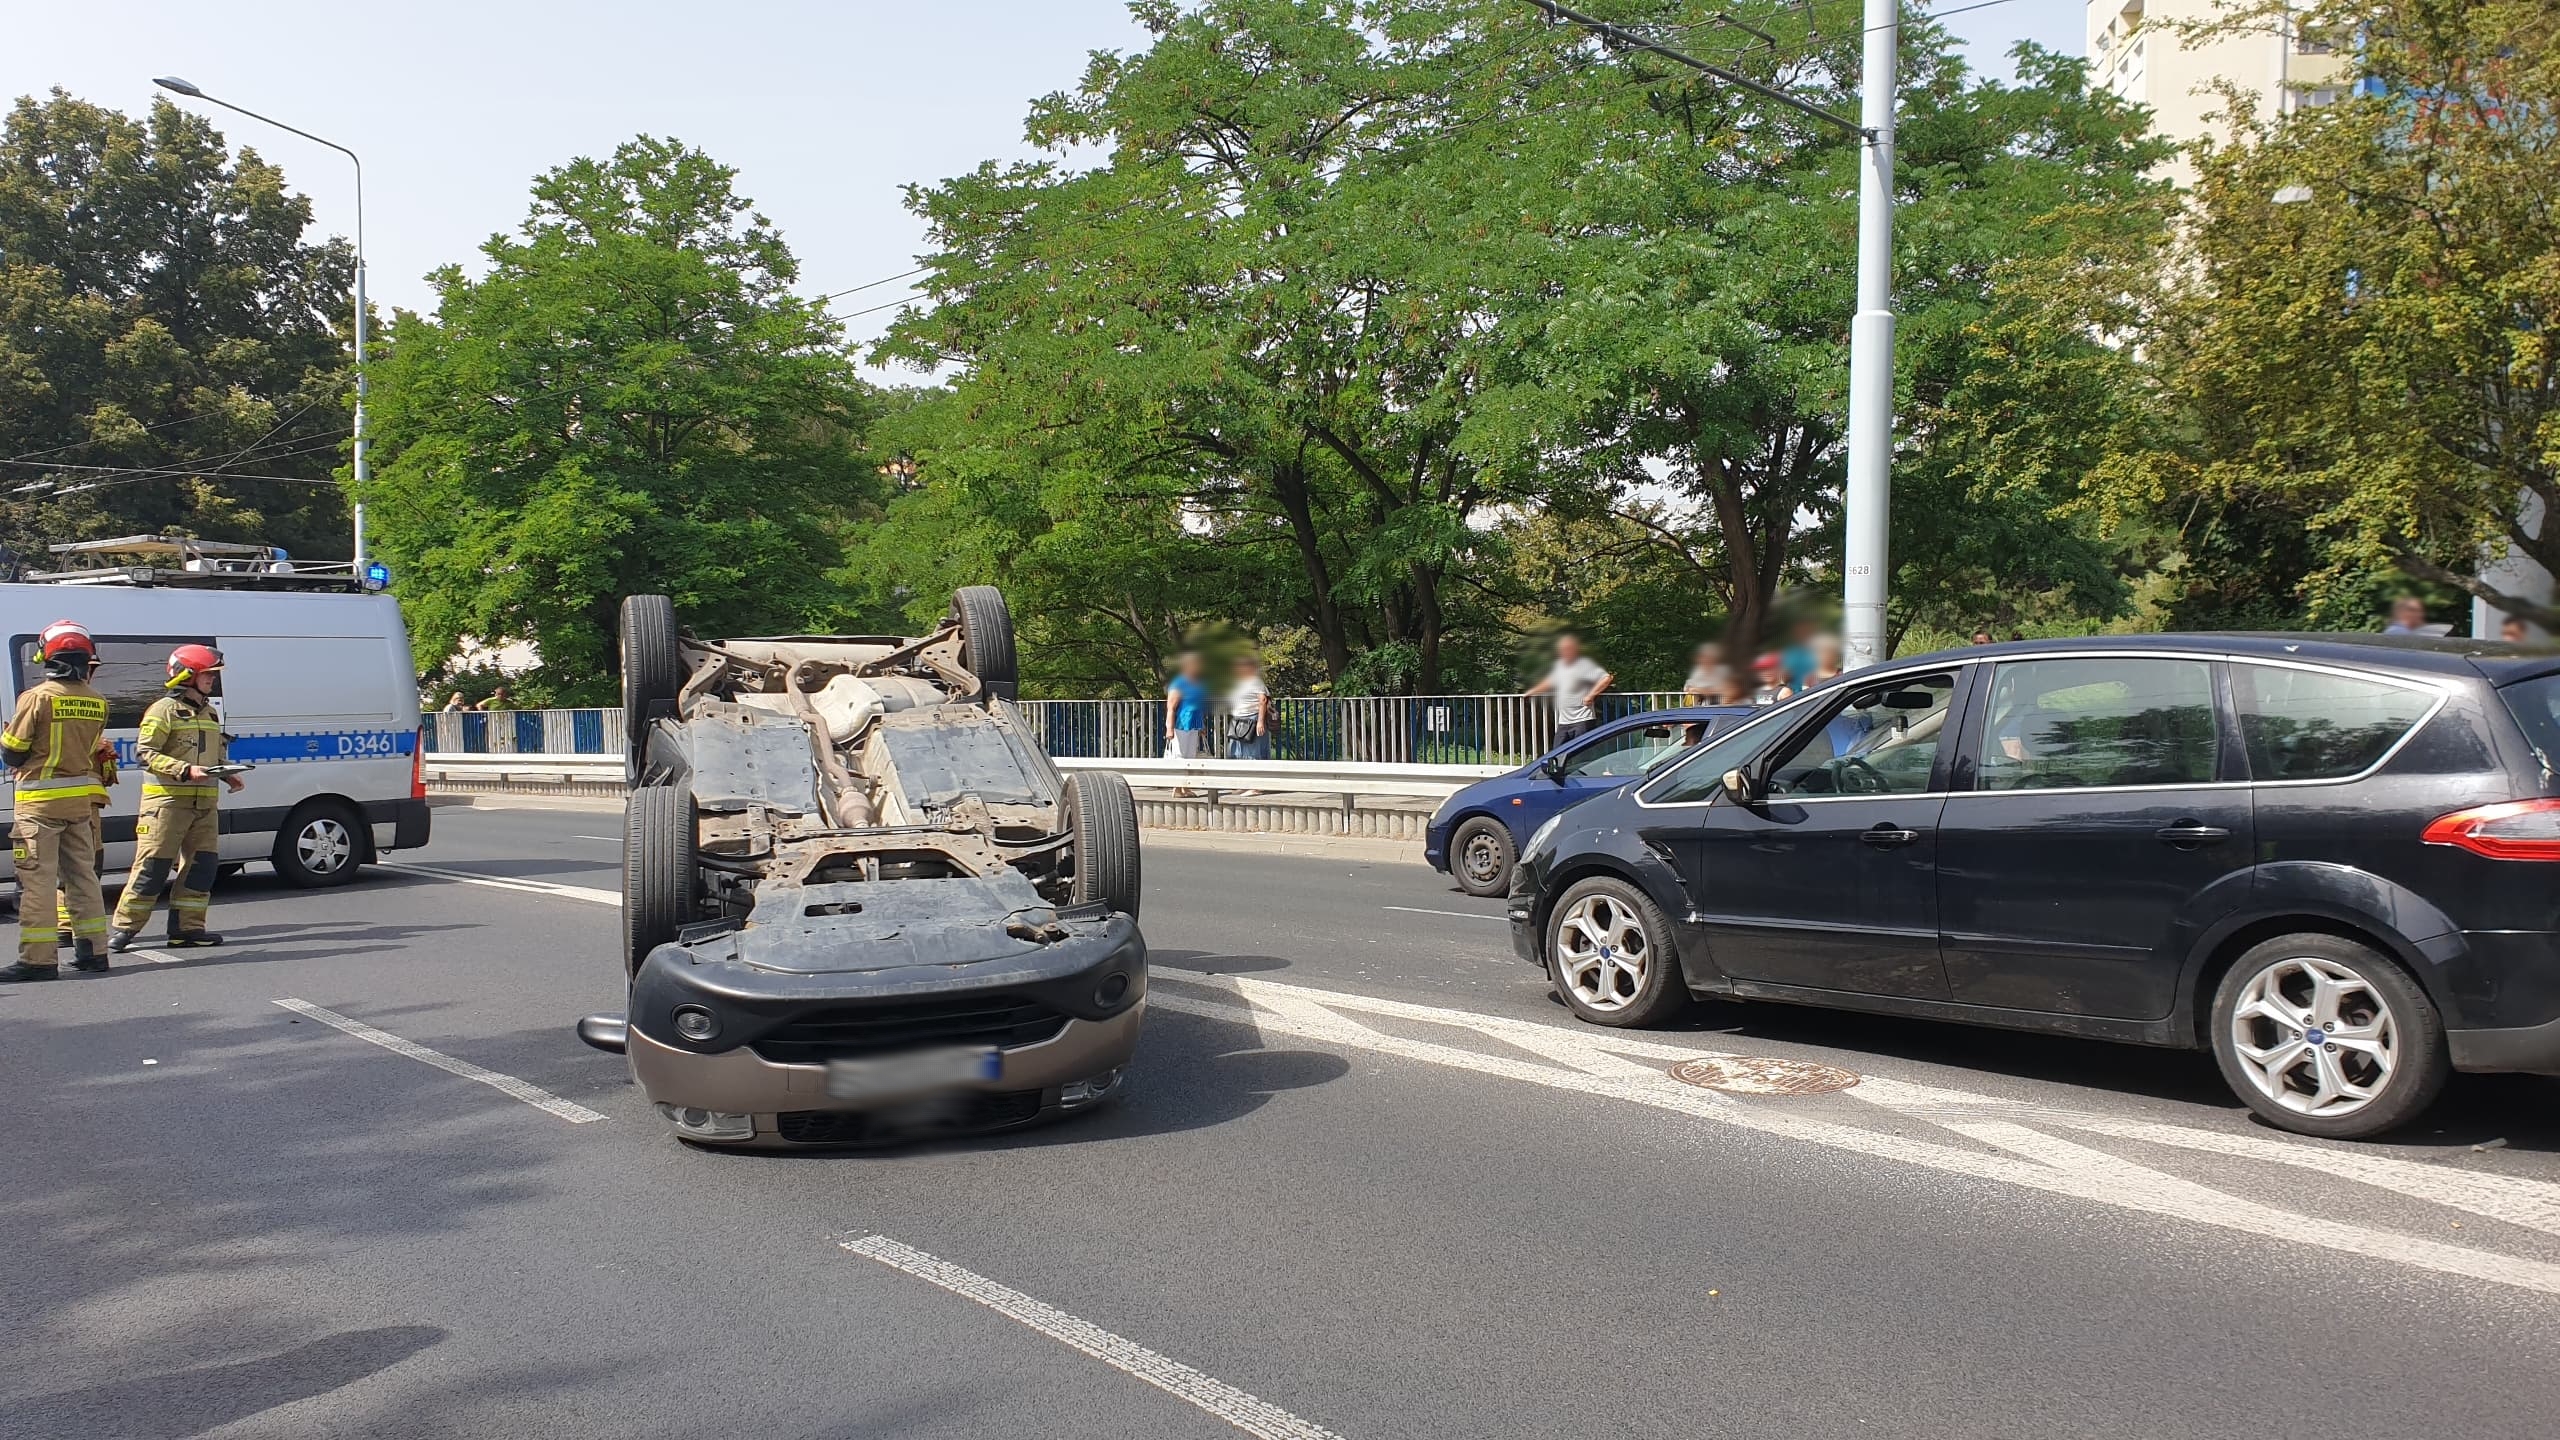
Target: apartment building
point(2135, 51)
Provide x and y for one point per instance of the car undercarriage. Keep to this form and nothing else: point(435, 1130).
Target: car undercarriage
point(851, 875)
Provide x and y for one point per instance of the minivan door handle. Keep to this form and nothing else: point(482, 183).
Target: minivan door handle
point(2189, 835)
point(1885, 836)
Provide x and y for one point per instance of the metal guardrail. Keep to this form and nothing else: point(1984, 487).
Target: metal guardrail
point(1358, 729)
point(1215, 777)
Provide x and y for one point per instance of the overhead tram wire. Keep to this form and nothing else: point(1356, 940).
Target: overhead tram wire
point(1630, 40)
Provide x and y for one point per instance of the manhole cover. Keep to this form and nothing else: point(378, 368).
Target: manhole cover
point(1753, 1075)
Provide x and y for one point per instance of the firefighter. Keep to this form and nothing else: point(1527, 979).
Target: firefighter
point(56, 743)
point(174, 841)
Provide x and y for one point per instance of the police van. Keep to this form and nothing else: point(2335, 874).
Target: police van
point(317, 690)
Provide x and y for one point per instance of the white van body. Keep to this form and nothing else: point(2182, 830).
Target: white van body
point(317, 693)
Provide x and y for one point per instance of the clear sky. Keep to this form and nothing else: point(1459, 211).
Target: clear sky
point(825, 109)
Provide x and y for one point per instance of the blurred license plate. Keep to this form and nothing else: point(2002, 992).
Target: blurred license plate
point(895, 1077)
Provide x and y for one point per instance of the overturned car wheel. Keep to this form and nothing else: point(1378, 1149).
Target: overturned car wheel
point(659, 882)
point(1104, 817)
point(652, 673)
point(986, 638)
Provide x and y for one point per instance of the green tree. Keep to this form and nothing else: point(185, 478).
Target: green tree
point(1684, 252)
point(1232, 324)
point(2358, 350)
point(629, 400)
point(166, 333)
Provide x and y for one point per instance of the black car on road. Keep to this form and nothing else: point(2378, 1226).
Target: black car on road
point(2322, 857)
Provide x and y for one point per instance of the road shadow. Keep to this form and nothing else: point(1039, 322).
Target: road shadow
point(1217, 963)
point(177, 1403)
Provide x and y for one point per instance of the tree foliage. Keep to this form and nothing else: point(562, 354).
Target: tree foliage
point(628, 400)
point(2355, 364)
point(166, 330)
point(1358, 290)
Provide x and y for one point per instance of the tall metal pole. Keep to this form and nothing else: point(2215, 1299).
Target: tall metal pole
point(1867, 561)
point(174, 84)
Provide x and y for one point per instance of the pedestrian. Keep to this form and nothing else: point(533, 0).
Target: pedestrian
point(455, 702)
point(1576, 680)
point(2408, 617)
point(1981, 637)
point(1186, 712)
point(1710, 679)
point(499, 699)
point(176, 840)
point(1826, 662)
point(56, 743)
point(2513, 631)
point(1249, 713)
point(1769, 676)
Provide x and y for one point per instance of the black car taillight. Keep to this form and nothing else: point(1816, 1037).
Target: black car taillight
point(2515, 830)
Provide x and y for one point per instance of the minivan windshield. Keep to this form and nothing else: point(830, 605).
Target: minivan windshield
point(2536, 704)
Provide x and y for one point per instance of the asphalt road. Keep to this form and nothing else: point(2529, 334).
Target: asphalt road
point(1370, 1182)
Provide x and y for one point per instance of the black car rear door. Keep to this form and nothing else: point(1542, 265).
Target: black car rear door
point(2095, 798)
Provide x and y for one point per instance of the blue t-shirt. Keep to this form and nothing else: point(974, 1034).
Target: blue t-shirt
point(1190, 703)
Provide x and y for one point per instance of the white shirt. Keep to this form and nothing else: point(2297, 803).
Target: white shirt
point(1571, 683)
point(1246, 702)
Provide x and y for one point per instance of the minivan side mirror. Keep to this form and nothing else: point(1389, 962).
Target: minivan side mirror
point(1737, 785)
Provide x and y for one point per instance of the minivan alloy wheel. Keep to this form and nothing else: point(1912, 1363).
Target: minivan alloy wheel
point(2314, 1037)
point(1602, 952)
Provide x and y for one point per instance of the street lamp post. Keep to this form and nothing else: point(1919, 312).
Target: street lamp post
point(181, 87)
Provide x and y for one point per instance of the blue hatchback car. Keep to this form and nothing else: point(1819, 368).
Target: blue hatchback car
point(1477, 833)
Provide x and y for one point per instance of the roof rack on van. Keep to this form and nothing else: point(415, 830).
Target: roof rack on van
point(179, 560)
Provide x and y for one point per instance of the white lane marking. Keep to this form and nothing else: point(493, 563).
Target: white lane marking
point(1243, 1411)
point(2038, 1163)
point(154, 957)
point(1454, 914)
point(587, 893)
point(608, 839)
point(2533, 1204)
point(533, 1095)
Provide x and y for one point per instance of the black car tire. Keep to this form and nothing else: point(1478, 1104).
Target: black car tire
point(652, 673)
point(1657, 992)
point(986, 638)
point(322, 843)
point(1103, 816)
point(2281, 970)
point(1486, 840)
point(660, 884)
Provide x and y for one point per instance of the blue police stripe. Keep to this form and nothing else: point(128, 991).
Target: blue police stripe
point(291, 748)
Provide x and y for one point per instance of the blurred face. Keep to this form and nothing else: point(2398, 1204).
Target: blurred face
point(1249, 668)
point(2512, 631)
point(2409, 610)
point(1190, 666)
point(1568, 648)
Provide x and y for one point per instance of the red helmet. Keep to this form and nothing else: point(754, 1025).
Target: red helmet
point(65, 637)
point(189, 663)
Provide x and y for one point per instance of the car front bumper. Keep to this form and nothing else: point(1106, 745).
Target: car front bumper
point(790, 1102)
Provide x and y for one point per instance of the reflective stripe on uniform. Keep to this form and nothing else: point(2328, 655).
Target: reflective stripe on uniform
point(153, 789)
point(49, 789)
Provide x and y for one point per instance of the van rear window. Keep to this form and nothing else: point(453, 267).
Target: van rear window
point(2536, 704)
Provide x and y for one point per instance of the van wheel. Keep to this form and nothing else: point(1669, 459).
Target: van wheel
point(986, 638)
point(2323, 1036)
point(1609, 955)
point(321, 843)
point(660, 885)
point(1104, 818)
point(1480, 856)
point(652, 673)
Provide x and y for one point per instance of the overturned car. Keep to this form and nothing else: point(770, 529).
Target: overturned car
point(858, 901)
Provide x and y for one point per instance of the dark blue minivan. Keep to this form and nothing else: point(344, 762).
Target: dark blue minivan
point(2328, 859)
point(1476, 832)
